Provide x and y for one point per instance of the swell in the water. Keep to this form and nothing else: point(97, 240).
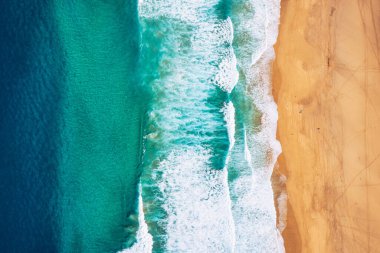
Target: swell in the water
point(199, 193)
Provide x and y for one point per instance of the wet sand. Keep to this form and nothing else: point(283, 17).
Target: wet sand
point(326, 81)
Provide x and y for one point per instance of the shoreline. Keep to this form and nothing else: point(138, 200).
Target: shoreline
point(325, 78)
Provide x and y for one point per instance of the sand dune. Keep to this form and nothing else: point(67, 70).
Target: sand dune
point(327, 85)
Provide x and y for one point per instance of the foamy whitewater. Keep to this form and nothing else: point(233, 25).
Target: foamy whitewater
point(210, 139)
point(255, 35)
point(144, 239)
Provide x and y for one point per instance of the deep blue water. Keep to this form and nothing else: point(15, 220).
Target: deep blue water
point(30, 72)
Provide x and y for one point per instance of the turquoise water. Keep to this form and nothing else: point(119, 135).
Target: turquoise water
point(102, 122)
point(138, 126)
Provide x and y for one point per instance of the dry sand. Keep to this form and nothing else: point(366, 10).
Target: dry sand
point(326, 79)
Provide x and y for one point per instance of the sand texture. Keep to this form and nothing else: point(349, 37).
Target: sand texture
point(326, 79)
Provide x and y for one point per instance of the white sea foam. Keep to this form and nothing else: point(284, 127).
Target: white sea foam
point(212, 38)
point(256, 25)
point(197, 203)
point(229, 117)
point(227, 75)
point(192, 11)
point(144, 243)
point(247, 153)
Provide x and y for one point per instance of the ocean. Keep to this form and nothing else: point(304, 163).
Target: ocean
point(138, 126)
point(31, 84)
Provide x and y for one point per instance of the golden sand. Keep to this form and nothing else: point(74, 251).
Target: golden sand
point(326, 79)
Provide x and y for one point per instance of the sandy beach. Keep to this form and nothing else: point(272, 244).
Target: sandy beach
point(326, 81)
